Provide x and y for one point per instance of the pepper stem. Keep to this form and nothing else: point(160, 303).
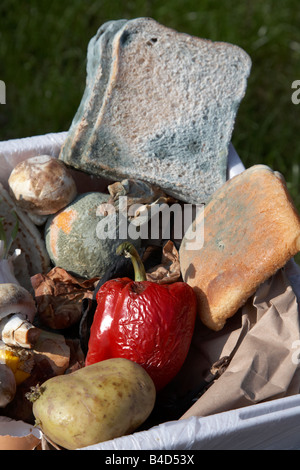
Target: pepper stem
point(129, 251)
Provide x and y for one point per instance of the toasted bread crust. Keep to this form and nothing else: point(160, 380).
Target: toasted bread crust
point(251, 229)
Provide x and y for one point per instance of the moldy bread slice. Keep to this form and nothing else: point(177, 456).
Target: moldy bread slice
point(159, 106)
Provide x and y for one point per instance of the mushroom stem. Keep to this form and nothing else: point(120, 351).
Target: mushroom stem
point(15, 330)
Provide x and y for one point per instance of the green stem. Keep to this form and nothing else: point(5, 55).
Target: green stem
point(128, 250)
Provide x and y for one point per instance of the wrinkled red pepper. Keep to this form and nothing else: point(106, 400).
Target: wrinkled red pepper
point(143, 321)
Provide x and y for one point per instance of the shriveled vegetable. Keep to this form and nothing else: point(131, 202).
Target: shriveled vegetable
point(94, 404)
point(146, 322)
point(58, 296)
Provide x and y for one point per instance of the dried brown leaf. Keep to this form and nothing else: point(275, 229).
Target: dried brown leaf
point(58, 296)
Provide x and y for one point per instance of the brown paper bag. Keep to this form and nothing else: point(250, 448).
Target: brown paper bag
point(253, 359)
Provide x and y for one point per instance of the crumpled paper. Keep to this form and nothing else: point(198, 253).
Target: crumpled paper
point(252, 360)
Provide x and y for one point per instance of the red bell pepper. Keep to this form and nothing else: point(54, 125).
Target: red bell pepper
point(146, 322)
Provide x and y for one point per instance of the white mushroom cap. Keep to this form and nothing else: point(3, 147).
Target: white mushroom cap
point(42, 185)
point(16, 299)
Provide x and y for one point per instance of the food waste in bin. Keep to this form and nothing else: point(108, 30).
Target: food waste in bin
point(140, 278)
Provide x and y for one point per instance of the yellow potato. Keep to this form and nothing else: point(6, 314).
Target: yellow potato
point(96, 403)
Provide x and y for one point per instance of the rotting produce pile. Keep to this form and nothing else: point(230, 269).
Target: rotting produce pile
point(96, 325)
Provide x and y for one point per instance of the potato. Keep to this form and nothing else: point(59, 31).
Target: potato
point(96, 403)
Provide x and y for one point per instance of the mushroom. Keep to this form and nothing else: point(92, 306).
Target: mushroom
point(17, 311)
point(41, 186)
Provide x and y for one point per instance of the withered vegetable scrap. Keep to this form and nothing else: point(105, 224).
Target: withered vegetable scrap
point(58, 295)
point(149, 323)
point(161, 265)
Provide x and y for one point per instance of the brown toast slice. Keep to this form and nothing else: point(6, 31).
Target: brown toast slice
point(251, 229)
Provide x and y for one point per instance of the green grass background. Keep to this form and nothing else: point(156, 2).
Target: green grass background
point(43, 57)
